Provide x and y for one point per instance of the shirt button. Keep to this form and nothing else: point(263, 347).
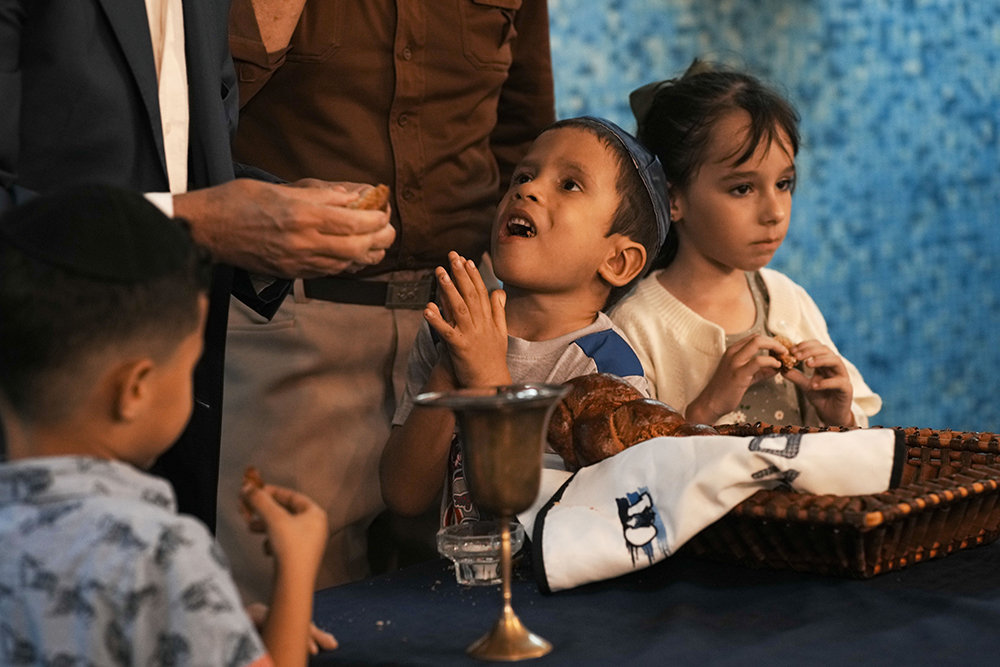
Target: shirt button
point(407, 54)
point(407, 194)
point(403, 119)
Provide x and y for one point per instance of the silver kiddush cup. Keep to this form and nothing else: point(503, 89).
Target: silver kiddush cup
point(503, 437)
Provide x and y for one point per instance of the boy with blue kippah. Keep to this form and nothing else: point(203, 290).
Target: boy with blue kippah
point(103, 303)
point(584, 213)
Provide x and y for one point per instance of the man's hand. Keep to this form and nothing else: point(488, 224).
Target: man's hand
point(829, 389)
point(297, 231)
point(474, 325)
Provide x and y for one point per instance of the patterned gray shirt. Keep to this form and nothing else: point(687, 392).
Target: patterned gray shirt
point(97, 568)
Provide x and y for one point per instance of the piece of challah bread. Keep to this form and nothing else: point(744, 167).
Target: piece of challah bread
point(373, 198)
point(788, 360)
point(603, 414)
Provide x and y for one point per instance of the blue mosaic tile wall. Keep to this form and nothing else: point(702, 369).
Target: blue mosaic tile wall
point(894, 225)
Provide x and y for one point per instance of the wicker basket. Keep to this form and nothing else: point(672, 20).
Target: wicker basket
point(948, 500)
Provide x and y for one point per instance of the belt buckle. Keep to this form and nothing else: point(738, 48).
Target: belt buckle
point(410, 294)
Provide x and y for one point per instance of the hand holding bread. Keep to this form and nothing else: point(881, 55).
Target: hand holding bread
point(787, 359)
point(829, 388)
point(744, 363)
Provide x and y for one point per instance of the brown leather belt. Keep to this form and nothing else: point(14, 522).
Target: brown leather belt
point(412, 294)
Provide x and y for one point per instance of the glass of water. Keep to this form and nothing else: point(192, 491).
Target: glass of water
point(475, 549)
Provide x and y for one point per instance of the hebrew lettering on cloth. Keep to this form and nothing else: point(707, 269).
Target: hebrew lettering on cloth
point(641, 505)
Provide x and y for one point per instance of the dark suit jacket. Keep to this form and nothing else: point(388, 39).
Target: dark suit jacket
point(79, 103)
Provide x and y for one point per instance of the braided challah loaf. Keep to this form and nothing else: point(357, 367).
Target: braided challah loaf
point(603, 415)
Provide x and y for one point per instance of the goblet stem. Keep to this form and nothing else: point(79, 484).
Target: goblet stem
point(509, 640)
point(505, 564)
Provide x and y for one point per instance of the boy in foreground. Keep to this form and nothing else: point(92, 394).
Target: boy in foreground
point(103, 303)
point(584, 212)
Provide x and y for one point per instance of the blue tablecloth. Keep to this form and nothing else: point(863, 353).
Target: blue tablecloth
point(684, 611)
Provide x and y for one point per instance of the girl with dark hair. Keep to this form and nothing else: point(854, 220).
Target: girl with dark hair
point(722, 338)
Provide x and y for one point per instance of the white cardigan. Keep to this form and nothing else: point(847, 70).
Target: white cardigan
point(680, 350)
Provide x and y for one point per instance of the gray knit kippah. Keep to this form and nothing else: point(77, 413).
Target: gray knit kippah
point(100, 232)
point(651, 172)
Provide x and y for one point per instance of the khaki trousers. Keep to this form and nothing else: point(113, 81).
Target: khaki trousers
point(309, 398)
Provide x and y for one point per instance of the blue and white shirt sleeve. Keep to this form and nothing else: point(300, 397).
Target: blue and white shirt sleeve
point(604, 351)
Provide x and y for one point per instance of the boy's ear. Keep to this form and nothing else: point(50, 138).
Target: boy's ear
point(131, 390)
point(624, 261)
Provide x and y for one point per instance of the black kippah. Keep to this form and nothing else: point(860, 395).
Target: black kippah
point(98, 231)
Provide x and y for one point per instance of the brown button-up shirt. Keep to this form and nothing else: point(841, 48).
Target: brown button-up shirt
point(439, 99)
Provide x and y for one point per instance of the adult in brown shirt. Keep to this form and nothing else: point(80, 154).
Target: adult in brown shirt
point(439, 100)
